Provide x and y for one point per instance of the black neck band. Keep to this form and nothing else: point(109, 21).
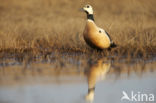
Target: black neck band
point(91, 89)
point(90, 16)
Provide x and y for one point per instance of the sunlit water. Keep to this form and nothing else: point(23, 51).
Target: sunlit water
point(98, 81)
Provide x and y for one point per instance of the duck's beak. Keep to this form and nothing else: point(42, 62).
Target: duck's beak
point(81, 9)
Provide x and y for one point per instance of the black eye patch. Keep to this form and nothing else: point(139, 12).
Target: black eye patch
point(87, 6)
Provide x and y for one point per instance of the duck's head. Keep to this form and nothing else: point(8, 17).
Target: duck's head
point(90, 97)
point(88, 9)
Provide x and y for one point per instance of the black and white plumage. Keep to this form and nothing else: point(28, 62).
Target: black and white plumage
point(94, 36)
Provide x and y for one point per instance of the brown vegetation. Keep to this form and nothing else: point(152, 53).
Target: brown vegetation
point(42, 26)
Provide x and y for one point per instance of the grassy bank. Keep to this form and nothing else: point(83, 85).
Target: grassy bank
point(44, 26)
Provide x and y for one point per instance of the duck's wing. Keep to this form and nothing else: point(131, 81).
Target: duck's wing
point(102, 31)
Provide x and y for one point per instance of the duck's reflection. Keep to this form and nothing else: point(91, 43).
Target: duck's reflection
point(96, 71)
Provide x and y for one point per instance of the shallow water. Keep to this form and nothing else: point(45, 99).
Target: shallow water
point(77, 81)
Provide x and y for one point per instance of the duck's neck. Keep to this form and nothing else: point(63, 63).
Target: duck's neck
point(91, 89)
point(90, 17)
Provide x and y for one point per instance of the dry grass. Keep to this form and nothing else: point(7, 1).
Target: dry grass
point(41, 26)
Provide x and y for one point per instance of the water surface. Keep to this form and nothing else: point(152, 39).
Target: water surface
point(76, 81)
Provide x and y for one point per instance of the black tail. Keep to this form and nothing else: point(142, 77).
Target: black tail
point(113, 45)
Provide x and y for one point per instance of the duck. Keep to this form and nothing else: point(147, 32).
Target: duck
point(96, 71)
point(94, 36)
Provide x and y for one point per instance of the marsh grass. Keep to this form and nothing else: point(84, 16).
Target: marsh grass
point(40, 27)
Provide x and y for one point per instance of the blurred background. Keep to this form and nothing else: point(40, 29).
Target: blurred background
point(59, 23)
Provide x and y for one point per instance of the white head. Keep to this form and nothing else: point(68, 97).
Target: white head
point(88, 9)
point(90, 97)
